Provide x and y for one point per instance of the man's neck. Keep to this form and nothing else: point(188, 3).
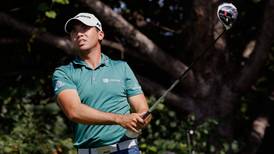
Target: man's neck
point(92, 58)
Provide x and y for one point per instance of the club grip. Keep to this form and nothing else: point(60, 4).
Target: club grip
point(131, 134)
point(144, 116)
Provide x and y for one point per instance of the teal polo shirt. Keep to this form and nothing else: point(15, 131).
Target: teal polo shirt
point(105, 88)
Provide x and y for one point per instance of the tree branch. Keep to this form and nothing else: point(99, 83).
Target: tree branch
point(59, 42)
point(251, 71)
point(254, 141)
point(28, 30)
point(137, 39)
point(179, 103)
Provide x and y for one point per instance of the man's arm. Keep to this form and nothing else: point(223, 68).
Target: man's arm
point(139, 105)
point(78, 112)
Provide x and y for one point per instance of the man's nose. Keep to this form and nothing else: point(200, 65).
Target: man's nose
point(79, 34)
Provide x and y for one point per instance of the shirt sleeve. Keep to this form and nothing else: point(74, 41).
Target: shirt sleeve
point(61, 80)
point(132, 85)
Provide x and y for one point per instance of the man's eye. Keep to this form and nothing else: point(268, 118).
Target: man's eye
point(84, 27)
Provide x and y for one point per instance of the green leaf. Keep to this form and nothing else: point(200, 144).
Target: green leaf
point(142, 146)
point(212, 149)
point(171, 114)
point(160, 107)
point(152, 148)
point(8, 149)
point(182, 146)
point(51, 14)
point(52, 108)
point(173, 124)
point(234, 146)
point(64, 2)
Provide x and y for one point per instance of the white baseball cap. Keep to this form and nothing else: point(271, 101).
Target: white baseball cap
point(86, 18)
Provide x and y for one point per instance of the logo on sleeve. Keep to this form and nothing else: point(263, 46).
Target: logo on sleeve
point(58, 85)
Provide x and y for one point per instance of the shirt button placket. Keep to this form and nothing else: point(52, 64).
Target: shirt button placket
point(93, 77)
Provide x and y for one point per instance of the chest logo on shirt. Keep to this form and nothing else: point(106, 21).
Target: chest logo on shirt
point(107, 80)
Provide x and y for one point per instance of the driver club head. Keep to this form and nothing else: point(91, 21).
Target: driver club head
point(227, 14)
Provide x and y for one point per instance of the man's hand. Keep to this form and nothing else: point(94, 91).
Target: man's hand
point(133, 121)
point(146, 119)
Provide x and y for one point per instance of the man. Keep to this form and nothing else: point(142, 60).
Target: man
point(98, 93)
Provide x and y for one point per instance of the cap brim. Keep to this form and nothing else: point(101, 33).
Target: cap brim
point(69, 24)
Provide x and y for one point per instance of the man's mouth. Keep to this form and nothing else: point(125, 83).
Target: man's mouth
point(80, 42)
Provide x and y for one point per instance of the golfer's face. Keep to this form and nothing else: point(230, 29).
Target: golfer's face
point(85, 37)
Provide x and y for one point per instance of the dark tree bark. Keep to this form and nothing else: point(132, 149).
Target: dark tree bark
point(250, 72)
point(59, 42)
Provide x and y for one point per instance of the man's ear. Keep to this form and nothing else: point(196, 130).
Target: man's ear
point(101, 35)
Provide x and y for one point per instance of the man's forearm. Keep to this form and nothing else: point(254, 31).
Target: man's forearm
point(87, 115)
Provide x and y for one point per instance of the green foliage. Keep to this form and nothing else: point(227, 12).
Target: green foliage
point(49, 9)
point(171, 132)
point(31, 122)
point(64, 2)
point(51, 14)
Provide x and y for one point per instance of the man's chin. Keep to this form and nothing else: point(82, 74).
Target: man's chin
point(83, 48)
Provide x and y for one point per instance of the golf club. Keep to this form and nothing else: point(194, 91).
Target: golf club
point(227, 14)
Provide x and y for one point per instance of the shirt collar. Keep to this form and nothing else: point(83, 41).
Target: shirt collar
point(103, 62)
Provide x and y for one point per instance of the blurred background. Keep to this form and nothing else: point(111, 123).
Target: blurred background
point(224, 106)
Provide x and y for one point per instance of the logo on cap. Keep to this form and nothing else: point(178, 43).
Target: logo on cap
point(82, 16)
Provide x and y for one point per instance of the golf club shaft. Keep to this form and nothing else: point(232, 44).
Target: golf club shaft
point(227, 14)
point(181, 77)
